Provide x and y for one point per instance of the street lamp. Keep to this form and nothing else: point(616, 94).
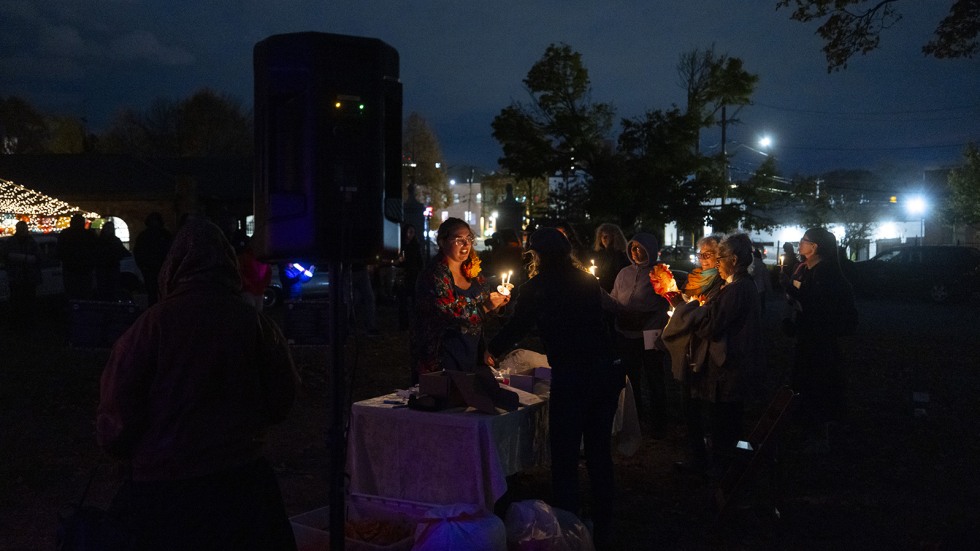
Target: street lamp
point(917, 206)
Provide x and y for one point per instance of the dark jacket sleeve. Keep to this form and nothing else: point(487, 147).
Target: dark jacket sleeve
point(520, 323)
point(277, 371)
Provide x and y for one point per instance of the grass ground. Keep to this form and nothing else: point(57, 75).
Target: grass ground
point(901, 473)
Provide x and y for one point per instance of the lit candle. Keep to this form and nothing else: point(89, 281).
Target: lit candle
point(510, 274)
point(592, 269)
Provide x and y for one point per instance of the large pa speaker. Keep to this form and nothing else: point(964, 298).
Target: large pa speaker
point(328, 111)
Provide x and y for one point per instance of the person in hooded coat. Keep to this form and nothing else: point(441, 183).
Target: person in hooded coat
point(639, 310)
point(187, 397)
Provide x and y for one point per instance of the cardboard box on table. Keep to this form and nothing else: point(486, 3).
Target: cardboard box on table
point(312, 529)
point(457, 389)
point(526, 379)
point(440, 385)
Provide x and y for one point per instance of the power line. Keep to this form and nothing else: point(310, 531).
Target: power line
point(867, 113)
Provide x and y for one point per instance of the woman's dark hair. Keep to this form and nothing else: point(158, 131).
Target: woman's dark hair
point(566, 228)
point(448, 226)
point(549, 262)
point(826, 244)
point(739, 246)
point(405, 228)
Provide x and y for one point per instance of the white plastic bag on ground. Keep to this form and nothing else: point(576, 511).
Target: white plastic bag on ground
point(626, 424)
point(460, 527)
point(533, 525)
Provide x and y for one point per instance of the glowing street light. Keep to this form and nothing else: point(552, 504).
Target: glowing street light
point(917, 206)
point(765, 142)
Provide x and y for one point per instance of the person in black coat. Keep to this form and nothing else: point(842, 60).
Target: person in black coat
point(826, 311)
point(76, 249)
point(564, 303)
point(109, 252)
point(149, 251)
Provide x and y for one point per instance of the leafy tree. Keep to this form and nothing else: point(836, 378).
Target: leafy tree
point(657, 163)
point(422, 163)
point(962, 206)
point(714, 82)
point(212, 125)
point(66, 134)
point(207, 124)
point(22, 127)
point(560, 131)
point(850, 27)
point(760, 192)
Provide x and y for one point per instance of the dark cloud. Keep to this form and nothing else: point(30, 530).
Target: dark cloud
point(461, 62)
point(142, 45)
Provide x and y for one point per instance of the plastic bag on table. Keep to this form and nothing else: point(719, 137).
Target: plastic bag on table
point(521, 360)
point(533, 525)
point(460, 526)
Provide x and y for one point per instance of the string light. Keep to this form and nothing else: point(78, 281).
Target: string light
point(41, 212)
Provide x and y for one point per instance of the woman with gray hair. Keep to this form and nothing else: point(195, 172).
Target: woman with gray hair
point(731, 320)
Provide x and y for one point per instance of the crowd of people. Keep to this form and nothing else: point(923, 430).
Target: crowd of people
point(191, 388)
point(620, 317)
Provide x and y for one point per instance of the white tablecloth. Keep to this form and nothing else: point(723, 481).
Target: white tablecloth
point(443, 457)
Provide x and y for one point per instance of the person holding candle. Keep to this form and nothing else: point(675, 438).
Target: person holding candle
point(452, 302)
point(826, 311)
point(688, 352)
point(640, 316)
point(729, 371)
point(609, 254)
point(565, 304)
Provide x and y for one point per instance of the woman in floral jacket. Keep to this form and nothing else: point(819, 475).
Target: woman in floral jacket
point(452, 300)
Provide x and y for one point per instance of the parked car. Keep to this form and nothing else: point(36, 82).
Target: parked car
point(291, 282)
point(939, 272)
point(52, 282)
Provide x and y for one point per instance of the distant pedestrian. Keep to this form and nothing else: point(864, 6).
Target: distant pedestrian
point(760, 274)
point(360, 295)
point(76, 249)
point(109, 252)
point(409, 266)
point(149, 251)
point(23, 263)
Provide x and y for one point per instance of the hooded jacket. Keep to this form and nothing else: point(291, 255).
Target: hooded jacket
point(637, 307)
point(191, 388)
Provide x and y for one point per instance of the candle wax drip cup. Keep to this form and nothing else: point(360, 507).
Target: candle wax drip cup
point(504, 289)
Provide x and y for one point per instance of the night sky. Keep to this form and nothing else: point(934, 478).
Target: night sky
point(892, 111)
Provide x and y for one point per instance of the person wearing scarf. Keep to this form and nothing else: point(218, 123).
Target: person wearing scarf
point(688, 353)
point(452, 302)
